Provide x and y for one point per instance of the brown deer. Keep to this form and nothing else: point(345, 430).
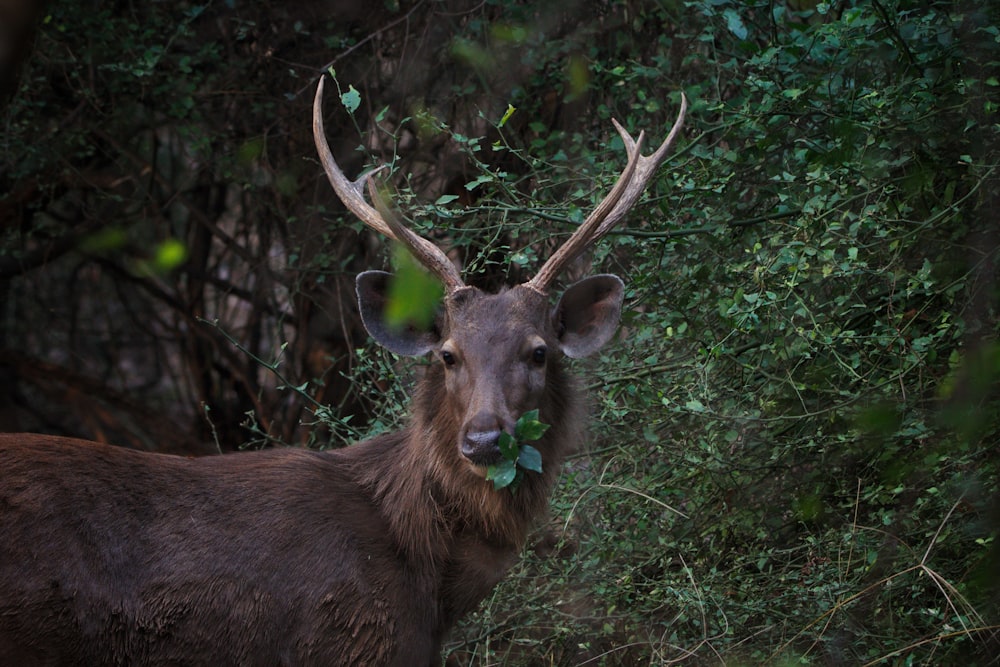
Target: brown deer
point(360, 556)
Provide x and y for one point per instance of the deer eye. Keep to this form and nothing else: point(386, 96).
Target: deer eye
point(538, 355)
point(448, 358)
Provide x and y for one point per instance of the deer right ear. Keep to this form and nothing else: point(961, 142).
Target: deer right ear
point(373, 290)
point(587, 314)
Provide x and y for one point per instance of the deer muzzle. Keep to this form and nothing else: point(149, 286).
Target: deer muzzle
point(481, 442)
point(482, 447)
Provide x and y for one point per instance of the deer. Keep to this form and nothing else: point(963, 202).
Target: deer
point(364, 555)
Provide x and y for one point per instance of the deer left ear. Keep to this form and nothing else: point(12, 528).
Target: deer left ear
point(587, 315)
point(373, 290)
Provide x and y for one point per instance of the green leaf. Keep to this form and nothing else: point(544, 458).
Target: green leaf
point(507, 114)
point(106, 240)
point(502, 474)
point(484, 178)
point(351, 99)
point(532, 430)
point(170, 254)
point(735, 23)
point(530, 415)
point(530, 458)
point(508, 446)
point(529, 428)
point(694, 405)
point(414, 294)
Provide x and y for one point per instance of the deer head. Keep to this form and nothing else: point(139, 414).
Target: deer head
point(497, 352)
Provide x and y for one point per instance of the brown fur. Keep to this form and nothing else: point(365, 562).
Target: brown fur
point(360, 556)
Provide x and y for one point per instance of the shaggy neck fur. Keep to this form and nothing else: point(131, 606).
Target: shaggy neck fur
point(432, 495)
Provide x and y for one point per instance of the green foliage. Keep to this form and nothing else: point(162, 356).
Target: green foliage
point(517, 455)
point(783, 469)
point(414, 295)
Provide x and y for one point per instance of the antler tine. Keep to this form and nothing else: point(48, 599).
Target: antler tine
point(616, 205)
point(351, 193)
point(586, 233)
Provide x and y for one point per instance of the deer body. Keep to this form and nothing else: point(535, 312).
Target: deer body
point(114, 557)
point(364, 555)
point(360, 556)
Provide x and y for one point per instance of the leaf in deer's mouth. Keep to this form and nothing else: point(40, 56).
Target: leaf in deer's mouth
point(518, 457)
point(530, 458)
point(503, 474)
point(508, 446)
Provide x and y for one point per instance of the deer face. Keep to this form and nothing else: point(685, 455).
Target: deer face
point(495, 349)
point(494, 356)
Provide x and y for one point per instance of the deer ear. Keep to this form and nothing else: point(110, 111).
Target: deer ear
point(587, 315)
point(373, 290)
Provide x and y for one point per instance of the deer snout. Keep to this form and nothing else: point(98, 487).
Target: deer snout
point(482, 447)
point(481, 443)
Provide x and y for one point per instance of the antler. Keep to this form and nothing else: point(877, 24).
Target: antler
point(352, 194)
point(615, 206)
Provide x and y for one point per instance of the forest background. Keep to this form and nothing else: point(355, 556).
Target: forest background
point(794, 448)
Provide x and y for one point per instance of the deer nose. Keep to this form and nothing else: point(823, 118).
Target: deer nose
point(481, 444)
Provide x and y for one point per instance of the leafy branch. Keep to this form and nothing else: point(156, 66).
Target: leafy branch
point(518, 456)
